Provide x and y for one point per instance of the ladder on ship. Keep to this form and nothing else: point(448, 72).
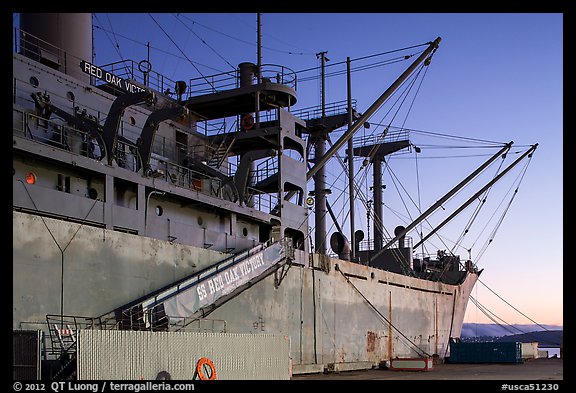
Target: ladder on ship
point(175, 306)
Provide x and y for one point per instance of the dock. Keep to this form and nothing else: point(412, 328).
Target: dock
point(541, 369)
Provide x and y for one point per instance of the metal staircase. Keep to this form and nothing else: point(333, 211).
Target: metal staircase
point(221, 152)
point(204, 291)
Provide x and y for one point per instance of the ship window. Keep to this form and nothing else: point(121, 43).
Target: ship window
point(200, 220)
point(245, 231)
point(132, 121)
point(159, 210)
point(30, 178)
point(34, 81)
point(70, 96)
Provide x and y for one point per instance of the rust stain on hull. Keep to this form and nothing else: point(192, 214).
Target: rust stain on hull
point(371, 339)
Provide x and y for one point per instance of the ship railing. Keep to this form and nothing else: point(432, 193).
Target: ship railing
point(212, 83)
point(139, 72)
point(187, 178)
point(184, 177)
point(167, 149)
point(63, 332)
point(331, 109)
point(42, 51)
point(179, 324)
point(438, 263)
point(383, 137)
point(368, 245)
point(231, 80)
point(265, 169)
point(213, 156)
point(56, 133)
point(48, 348)
point(262, 201)
point(214, 126)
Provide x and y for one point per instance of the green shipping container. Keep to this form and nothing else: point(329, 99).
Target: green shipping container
point(485, 352)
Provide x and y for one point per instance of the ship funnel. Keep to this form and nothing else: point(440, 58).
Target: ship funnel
point(340, 245)
point(58, 40)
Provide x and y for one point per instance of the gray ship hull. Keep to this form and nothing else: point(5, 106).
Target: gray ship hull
point(336, 312)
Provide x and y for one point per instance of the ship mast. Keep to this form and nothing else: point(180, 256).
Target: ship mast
point(320, 177)
point(321, 161)
point(350, 164)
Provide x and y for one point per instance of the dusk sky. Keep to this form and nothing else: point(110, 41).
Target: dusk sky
point(495, 77)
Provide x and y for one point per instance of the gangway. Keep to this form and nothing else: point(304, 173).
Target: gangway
point(174, 306)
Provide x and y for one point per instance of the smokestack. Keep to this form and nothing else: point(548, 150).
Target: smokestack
point(59, 40)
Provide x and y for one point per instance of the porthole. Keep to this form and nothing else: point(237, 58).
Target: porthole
point(92, 193)
point(132, 121)
point(200, 220)
point(34, 81)
point(159, 210)
point(245, 231)
point(30, 178)
point(70, 96)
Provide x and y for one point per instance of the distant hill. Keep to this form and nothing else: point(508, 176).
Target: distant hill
point(470, 330)
point(544, 338)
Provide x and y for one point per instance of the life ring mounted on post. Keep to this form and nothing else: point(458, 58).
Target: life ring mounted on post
point(247, 121)
point(211, 371)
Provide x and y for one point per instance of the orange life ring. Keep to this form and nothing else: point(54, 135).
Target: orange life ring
point(199, 369)
point(247, 121)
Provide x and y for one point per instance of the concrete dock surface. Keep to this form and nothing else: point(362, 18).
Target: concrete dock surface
point(541, 369)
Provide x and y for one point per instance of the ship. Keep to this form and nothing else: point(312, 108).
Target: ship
point(147, 206)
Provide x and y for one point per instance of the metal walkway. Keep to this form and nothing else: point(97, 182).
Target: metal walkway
point(175, 306)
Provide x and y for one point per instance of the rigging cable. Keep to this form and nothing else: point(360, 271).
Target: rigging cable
point(181, 51)
point(416, 349)
point(374, 55)
point(486, 312)
point(155, 48)
point(362, 68)
point(404, 265)
point(508, 303)
point(493, 234)
point(475, 213)
point(243, 41)
point(204, 42)
point(114, 41)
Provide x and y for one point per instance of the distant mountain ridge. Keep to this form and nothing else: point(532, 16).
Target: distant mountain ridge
point(547, 338)
point(517, 332)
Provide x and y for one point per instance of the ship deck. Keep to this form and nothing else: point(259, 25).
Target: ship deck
point(541, 369)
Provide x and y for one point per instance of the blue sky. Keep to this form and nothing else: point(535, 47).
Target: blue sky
point(495, 77)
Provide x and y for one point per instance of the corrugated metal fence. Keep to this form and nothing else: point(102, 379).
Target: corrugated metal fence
point(136, 355)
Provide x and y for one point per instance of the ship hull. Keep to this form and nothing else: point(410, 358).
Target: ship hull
point(335, 311)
